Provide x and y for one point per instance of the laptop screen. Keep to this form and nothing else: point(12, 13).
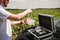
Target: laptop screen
point(46, 21)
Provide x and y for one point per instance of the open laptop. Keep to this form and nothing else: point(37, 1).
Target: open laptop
point(46, 21)
point(45, 28)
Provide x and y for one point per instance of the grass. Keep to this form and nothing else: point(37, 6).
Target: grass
point(17, 28)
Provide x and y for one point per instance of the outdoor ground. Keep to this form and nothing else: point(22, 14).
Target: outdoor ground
point(17, 28)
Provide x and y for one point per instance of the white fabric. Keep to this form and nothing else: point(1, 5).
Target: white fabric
point(5, 26)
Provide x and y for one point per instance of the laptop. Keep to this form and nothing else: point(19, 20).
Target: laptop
point(45, 28)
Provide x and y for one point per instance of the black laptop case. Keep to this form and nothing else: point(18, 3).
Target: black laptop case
point(45, 29)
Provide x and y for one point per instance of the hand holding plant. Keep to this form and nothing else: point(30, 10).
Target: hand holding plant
point(28, 21)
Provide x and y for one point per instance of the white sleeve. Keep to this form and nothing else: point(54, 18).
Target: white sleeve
point(4, 14)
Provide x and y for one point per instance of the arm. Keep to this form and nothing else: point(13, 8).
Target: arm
point(20, 15)
point(18, 22)
point(15, 22)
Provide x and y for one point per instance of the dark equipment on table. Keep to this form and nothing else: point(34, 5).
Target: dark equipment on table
point(57, 25)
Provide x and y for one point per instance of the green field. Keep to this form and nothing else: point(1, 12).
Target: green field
point(17, 28)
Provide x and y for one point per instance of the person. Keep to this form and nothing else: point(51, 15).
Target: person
point(5, 23)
